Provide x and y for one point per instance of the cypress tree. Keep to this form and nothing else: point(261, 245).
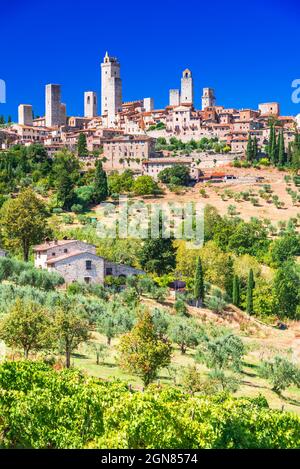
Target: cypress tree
point(100, 183)
point(236, 291)
point(199, 283)
point(9, 119)
point(289, 153)
point(254, 148)
point(82, 146)
point(250, 288)
point(270, 141)
point(249, 152)
point(2, 120)
point(281, 153)
point(273, 148)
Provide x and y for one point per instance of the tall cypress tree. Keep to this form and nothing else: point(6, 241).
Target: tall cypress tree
point(281, 152)
point(236, 291)
point(199, 283)
point(270, 141)
point(249, 152)
point(100, 183)
point(250, 288)
point(82, 146)
point(273, 148)
point(254, 148)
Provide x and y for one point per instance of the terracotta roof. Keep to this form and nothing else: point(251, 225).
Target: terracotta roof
point(69, 255)
point(48, 245)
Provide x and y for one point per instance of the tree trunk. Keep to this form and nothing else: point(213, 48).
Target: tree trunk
point(108, 340)
point(68, 358)
point(26, 352)
point(25, 250)
point(183, 348)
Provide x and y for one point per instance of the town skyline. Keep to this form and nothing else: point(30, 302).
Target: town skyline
point(239, 78)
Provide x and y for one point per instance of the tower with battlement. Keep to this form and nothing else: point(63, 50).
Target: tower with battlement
point(187, 87)
point(111, 88)
point(90, 104)
point(53, 105)
point(208, 98)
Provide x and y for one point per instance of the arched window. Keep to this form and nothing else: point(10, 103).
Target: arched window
point(88, 100)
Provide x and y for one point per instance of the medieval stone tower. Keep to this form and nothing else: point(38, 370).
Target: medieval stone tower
point(111, 88)
point(187, 87)
point(52, 105)
point(90, 104)
point(25, 114)
point(208, 98)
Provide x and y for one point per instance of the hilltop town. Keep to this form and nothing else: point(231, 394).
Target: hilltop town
point(127, 134)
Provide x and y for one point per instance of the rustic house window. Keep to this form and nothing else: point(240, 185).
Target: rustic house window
point(88, 265)
point(108, 271)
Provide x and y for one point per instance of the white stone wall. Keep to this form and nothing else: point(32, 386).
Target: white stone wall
point(208, 98)
point(148, 104)
point(40, 259)
point(74, 268)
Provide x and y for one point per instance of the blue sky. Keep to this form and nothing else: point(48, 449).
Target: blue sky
point(247, 51)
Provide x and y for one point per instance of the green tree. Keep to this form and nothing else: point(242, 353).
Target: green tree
point(158, 255)
point(236, 291)
point(24, 221)
point(255, 149)
point(142, 352)
point(199, 283)
point(82, 150)
point(222, 352)
point(100, 183)
point(287, 289)
point(27, 326)
point(281, 151)
point(184, 333)
point(70, 328)
point(281, 373)
point(249, 149)
point(250, 288)
point(145, 185)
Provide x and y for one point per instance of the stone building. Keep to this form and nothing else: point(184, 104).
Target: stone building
point(208, 98)
point(25, 114)
point(269, 109)
point(76, 261)
point(90, 104)
point(53, 105)
point(111, 88)
point(174, 97)
point(187, 87)
point(127, 152)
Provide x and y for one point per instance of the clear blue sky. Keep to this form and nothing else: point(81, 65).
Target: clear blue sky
point(247, 51)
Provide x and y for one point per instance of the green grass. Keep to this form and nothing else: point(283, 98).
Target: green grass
point(252, 385)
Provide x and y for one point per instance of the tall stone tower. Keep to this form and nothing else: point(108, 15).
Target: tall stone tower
point(208, 98)
point(111, 88)
point(52, 105)
point(174, 97)
point(187, 87)
point(25, 114)
point(63, 114)
point(90, 104)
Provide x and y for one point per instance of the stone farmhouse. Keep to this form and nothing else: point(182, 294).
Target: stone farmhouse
point(77, 261)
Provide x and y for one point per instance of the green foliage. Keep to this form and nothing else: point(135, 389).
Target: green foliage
point(184, 332)
point(281, 373)
point(199, 283)
point(142, 351)
point(145, 185)
point(100, 183)
point(287, 289)
point(97, 414)
point(177, 175)
point(24, 221)
point(27, 326)
point(82, 150)
point(24, 273)
point(250, 288)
